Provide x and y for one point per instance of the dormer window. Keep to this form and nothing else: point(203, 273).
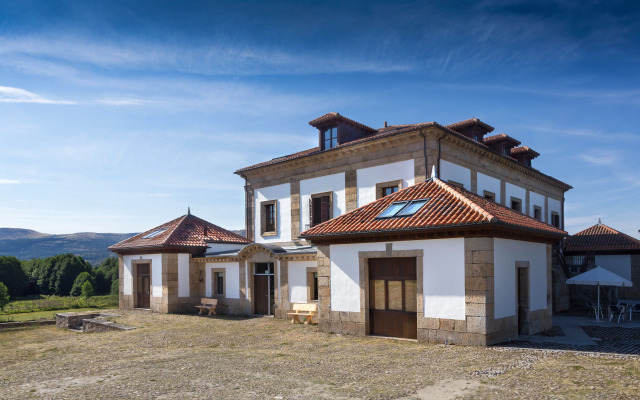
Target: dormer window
point(329, 138)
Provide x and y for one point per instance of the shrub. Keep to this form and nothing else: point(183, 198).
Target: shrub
point(4, 296)
point(87, 290)
point(115, 287)
point(83, 277)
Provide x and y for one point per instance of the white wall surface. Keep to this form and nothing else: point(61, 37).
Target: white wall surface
point(368, 178)
point(489, 184)
point(619, 264)
point(330, 183)
point(506, 252)
point(156, 273)
point(518, 192)
point(536, 200)
point(345, 274)
point(231, 275)
point(219, 247)
point(282, 193)
point(298, 280)
point(183, 275)
point(554, 205)
point(443, 276)
point(454, 172)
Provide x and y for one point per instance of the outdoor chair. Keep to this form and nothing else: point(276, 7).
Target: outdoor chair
point(593, 307)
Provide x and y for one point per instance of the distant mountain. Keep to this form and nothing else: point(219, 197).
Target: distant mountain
point(240, 232)
point(26, 244)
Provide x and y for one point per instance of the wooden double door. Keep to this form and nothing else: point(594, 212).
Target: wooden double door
point(143, 289)
point(393, 301)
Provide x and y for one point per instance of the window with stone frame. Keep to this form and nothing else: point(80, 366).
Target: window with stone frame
point(489, 195)
point(218, 283)
point(537, 213)
point(456, 184)
point(269, 218)
point(386, 188)
point(555, 219)
point(516, 204)
point(320, 208)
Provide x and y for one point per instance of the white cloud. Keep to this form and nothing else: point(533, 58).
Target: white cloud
point(599, 159)
point(9, 181)
point(17, 95)
point(124, 102)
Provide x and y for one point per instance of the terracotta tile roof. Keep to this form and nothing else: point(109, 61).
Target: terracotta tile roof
point(503, 137)
point(186, 231)
point(600, 237)
point(334, 116)
point(524, 149)
point(470, 122)
point(448, 206)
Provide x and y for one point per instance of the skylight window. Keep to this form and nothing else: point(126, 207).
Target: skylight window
point(153, 234)
point(403, 208)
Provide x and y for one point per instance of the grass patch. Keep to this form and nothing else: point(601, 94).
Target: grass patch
point(45, 307)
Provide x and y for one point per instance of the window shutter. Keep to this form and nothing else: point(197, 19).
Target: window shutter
point(310, 211)
point(326, 208)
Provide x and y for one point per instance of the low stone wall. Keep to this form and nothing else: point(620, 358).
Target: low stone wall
point(102, 325)
point(73, 320)
point(23, 324)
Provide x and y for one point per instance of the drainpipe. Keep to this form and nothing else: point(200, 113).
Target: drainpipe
point(439, 152)
point(247, 218)
point(424, 151)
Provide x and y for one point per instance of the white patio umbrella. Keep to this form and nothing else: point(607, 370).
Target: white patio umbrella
point(600, 277)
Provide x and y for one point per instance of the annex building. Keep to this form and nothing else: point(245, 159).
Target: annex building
point(427, 231)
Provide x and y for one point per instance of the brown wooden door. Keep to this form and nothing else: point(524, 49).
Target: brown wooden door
point(261, 294)
point(144, 285)
point(393, 297)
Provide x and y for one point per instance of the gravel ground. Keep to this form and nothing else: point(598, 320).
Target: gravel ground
point(189, 356)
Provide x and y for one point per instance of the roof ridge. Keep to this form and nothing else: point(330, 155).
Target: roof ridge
point(175, 227)
point(475, 207)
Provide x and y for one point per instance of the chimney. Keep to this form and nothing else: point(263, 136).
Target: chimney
point(385, 124)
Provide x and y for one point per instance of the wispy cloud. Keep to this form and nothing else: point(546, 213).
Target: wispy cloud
point(124, 102)
point(17, 95)
point(9, 181)
point(600, 159)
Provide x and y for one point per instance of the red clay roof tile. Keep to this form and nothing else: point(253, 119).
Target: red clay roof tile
point(601, 237)
point(186, 231)
point(503, 137)
point(524, 149)
point(448, 206)
point(334, 116)
point(470, 122)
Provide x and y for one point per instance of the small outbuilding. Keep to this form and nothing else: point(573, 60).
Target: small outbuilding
point(436, 263)
point(157, 270)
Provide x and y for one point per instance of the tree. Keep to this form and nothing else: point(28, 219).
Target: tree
point(13, 275)
point(78, 284)
point(87, 290)
point(4, 296)
point(105, 274)
point(115, 287)
point(55, 275)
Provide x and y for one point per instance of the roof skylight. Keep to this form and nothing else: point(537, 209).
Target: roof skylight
point(154, 233)
point(403, 208)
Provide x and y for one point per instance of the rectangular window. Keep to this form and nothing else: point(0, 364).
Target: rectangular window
point(386, 188)
point(537, 213)
point(506, 151)
point(263, 269)
point(555, 219)
point(489, 195)
point(320, 208)
point(329, 138)
point(269, 218)
point(456, 184)
point(389, 190)
point(218, 283)
point(516, 204)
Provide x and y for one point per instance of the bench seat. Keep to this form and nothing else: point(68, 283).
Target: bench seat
point(208, 304)
point(307, 310)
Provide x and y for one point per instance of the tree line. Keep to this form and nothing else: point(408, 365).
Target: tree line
point(61, 275)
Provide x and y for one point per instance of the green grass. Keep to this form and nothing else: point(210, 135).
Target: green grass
point(45, 307)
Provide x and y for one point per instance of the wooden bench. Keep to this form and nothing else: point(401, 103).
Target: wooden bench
point(307, 310)
point(208, 304)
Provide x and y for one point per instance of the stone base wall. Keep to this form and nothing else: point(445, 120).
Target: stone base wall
point(101, 325)
point(73, 320)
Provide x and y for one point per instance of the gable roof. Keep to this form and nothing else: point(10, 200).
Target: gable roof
point(601, 237)
point(334, 116)
point(470, 122)
point(448, 207)
point(503, 137)
point(185, 231)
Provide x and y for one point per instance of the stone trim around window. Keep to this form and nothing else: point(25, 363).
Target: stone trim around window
point(319, 195)
point(263, 218)
point(489, 195)
point(213, 283)
point(519, 204)
point(382, 185)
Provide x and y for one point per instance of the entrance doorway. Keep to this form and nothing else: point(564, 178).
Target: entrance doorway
point(263, 289)
point(522, 277)
point(393, 302)
point(143, 289)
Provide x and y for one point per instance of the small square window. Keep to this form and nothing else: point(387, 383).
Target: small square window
point(384, 189)
point(489, 195)
point(537, 213)
point(516, 204)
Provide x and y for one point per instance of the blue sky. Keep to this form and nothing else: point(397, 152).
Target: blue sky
point(118, 115)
